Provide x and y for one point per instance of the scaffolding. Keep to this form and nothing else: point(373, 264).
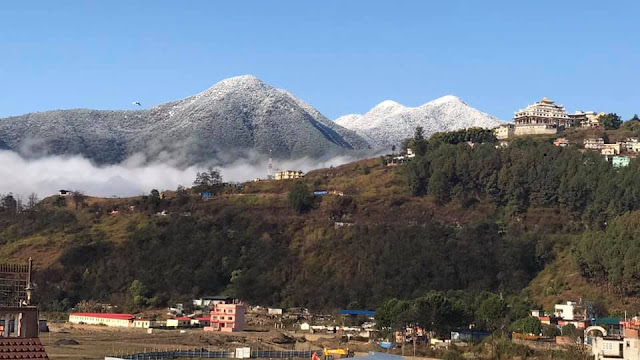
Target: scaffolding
point(15, 284)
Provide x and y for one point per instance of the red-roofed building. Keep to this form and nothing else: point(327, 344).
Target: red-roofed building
point(108, 319)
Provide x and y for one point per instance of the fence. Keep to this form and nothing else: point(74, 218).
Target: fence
point(204, 354)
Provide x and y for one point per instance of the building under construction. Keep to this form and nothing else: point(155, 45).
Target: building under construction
point(18, 319)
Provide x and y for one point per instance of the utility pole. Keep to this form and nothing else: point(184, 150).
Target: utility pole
point(270, 175)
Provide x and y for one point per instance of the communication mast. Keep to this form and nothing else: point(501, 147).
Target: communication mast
point(270, 175)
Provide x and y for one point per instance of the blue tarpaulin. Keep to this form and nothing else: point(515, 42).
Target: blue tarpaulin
point(358, 312)
point(386, 344)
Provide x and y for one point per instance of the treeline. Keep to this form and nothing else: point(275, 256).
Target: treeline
point(442, 312)
point(296, 263)
point(611, 256)
point(527, 173)
point(296, 259)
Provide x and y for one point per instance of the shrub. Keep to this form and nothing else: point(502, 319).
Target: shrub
point(300, 199)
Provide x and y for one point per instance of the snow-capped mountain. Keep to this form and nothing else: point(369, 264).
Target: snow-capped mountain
point(389, 122)
point(235, 115)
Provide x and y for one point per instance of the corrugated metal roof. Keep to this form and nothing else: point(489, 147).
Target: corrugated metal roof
point(608, 321)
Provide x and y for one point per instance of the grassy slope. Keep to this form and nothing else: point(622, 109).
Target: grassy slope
point(380, 193)
point(561, 281)
point(382, 198)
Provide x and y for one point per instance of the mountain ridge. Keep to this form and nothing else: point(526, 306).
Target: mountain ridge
point(446, 113)
point(221, 123)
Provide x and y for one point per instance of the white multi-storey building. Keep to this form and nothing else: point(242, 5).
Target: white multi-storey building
point(544, 112)
point(541, 117)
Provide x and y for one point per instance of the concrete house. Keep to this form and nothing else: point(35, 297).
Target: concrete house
point(179, 322)
point(227, 318)
point(288, 175)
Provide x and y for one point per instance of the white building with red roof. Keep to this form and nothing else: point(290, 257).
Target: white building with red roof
point(107, 319)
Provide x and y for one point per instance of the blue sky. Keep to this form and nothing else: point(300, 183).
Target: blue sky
point(340, 56)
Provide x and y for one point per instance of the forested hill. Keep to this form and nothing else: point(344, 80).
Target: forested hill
point(455, 217)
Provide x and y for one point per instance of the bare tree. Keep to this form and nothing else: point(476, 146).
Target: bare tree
point(32, 201)
point(78, 198)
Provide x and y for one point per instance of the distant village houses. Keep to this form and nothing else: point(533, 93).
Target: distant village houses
point(561, 142)
point(588, 119)
point(288, 174)
point(394, 160)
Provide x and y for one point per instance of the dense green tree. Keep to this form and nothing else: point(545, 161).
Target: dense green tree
point(395, 315)
point(417, 175)
point(571, 331)
point(550, 331)
point(439, 186)
point(138, 294)
point(9, 204)
point(436, 312)
point(473, 135)
point(610, 121)
point(527, 325)
point(420, 144)
point(492, 312)
point(300, 198)
point(208, 181)
point(613, 254)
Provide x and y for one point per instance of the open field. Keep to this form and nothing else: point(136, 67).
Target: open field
point(94, 342)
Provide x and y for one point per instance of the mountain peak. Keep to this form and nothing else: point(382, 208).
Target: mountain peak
point(446, 99)
point(389, 123)
point(388, 103)
point(241, 81)
point(230, 119)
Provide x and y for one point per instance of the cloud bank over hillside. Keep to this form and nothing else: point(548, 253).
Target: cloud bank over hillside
point(134, 176)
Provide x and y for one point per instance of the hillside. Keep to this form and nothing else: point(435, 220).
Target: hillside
point(519, 220)
point(389, 122)
point(226, 121)
point(250, 243)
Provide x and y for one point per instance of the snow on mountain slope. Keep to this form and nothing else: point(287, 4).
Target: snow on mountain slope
point(389, 122)
point(235, 115)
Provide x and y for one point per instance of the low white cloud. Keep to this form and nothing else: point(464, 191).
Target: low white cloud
point(46, 175)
